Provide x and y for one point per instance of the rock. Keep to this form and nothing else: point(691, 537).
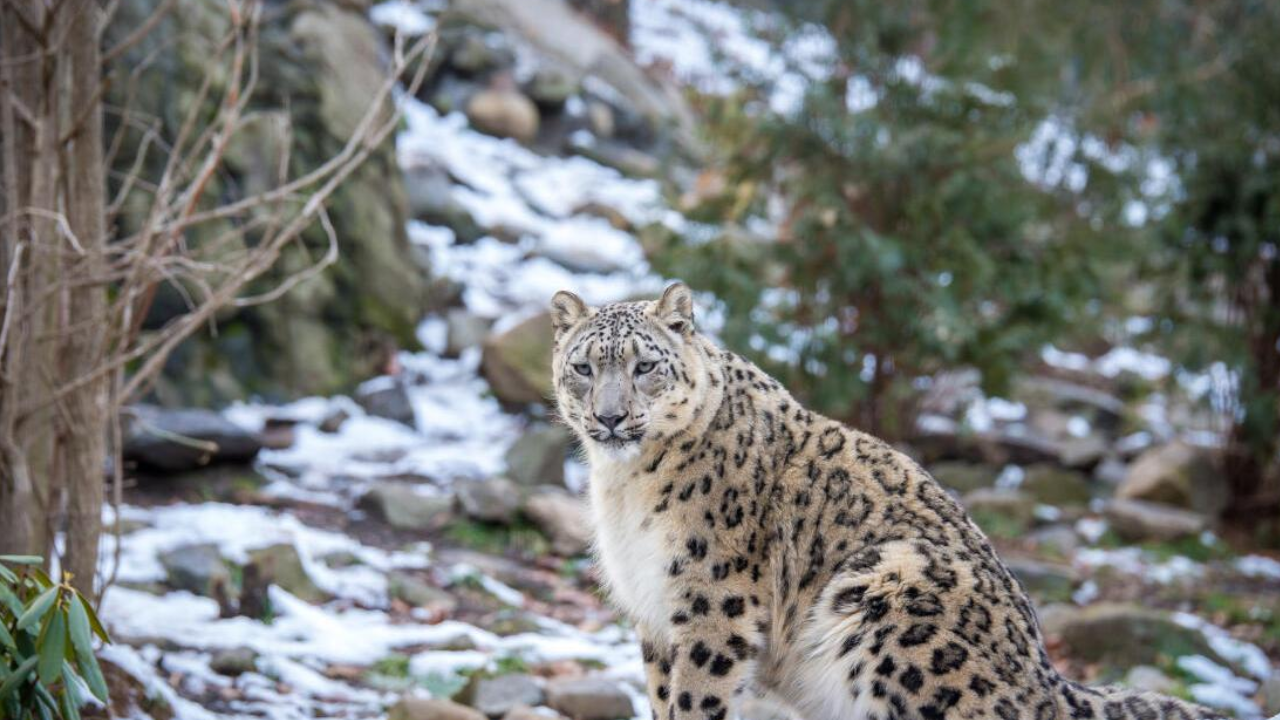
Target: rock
point(431, 200)
point(412, 590)
point(1044, 581)
point(537, 457)
point(1053, 485)
point(412, 707)
point(280, 565)
point(625, 159)
point(498, 696)
point(517, 363)
point(545, 24)
point(1100, 407)
point(496, 500)
point(504, 113)
point(1110, 471)
point(550, 87)
point(1124, 635)
point(562, 517)
point(197, 568)
point(464, 331)
point(963, 477)
point(1151, 679)
point(1137, 520)
point(234, 661)
point(1084, 453)
point(1055, 616)
point(522, 712)
point(1180, 475)
point(479, 52)
point(1023, 449)
point(1056, 540)
point(590, 698)
point(1013, 507)
point(387, 397)
point(160, 439)
point(1271, 695)
point(399, 506)
point(600, 119)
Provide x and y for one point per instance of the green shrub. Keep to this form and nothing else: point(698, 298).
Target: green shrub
point(46, 644)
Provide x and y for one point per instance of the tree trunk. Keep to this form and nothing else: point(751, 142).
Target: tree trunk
point(52, 331)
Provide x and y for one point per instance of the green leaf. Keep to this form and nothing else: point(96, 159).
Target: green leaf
point(71, 699)
point(48, 707)
point(94, 622)
point(22, 559)
point(7, 575)
point(38, 609)
point(53, 644)
point(78, 615)
point(10, 600)
point(18, 677)
point(6, 639)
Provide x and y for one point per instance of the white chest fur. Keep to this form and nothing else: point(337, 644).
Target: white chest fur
point(634, 555)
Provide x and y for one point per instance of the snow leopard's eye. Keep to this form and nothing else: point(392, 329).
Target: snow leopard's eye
point(583, 369)
point(644, 367)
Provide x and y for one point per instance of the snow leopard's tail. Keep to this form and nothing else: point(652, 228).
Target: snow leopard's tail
point(1081, 702)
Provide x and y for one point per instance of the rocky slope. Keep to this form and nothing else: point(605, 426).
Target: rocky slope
point(418, 551)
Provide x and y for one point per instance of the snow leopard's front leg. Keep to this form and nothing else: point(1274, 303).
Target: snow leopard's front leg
point(716, 641)
point(658, 657)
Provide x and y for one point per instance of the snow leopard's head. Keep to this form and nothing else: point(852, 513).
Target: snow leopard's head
point(627, 373)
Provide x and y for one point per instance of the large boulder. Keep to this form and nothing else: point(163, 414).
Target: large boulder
point(177, 440)
point(1138, 520)
point(1177, 474)
point(281, 565)
point(517, 363)
point(1124, 636)
point(1000, 510)
point(562, 517)
point(398, 505)
point(537, 457)
point(589, 698)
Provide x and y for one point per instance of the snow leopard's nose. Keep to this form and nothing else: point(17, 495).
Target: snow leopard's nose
point(611, 421)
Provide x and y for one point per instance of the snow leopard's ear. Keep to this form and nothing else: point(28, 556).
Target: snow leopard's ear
point(675, 308)
point(567, 310)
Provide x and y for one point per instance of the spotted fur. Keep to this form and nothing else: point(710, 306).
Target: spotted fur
point(760, 546)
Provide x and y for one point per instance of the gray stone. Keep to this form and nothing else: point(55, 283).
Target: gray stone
point(1053, 485)
point(551, 86)
point(1177, 474)
point(1271, 695)
point(399, 506)
point(431, 200)
point(1044, 581)
point(562, 517)
point(412, 590)
point(479, 52)
point(1056, 540)
point(1098, 405)
point(387, 397)
point(1012, 506)
point(1151, 679)
point(496, 500)
point(1110, 471)
point(234, 661)
point(589, 698)
point(176, 440)
point(504, 113)
point(537, 457)
point(280, 565)
point(413, 707)
point(464, 331)
point(1137, 520)
point(498, 696)
point(1084, 453)
point(197, 568)
point(517, 363)
point(963, 477)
